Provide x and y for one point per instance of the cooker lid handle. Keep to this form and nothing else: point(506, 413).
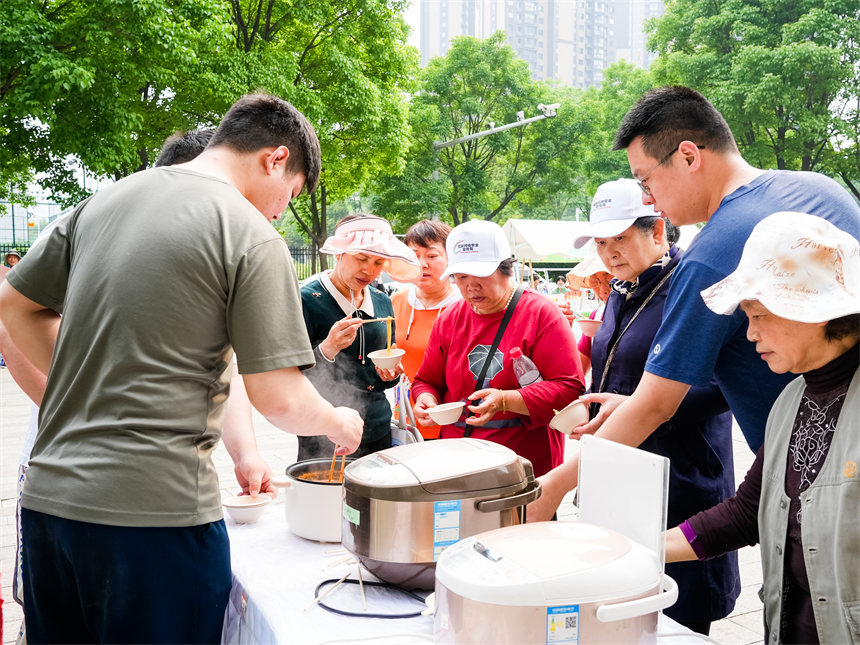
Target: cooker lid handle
point(631, 608)
point(530, 494)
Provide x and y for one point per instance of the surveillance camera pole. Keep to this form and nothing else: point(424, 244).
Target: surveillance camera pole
point(549, 111)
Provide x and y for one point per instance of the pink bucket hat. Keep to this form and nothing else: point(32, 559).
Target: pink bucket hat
point(373, 235)
point(800, 267)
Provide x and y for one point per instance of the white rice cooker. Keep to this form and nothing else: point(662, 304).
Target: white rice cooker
point(402, 507)
point(549, 582)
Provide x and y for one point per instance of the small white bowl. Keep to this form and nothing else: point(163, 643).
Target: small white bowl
point(383, 360)
point(589, 327)
point(447, 413)
point(246, 509)
point(572, 415)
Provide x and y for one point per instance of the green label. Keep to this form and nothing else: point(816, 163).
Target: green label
point(351, 514)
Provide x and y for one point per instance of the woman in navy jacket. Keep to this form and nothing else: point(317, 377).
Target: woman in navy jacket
point(638, 249)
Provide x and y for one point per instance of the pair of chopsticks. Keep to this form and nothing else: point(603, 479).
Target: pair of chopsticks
point(342, 465)
point(330, 589)
point(376, 319)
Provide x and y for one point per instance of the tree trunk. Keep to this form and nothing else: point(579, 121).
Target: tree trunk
point(849, 183)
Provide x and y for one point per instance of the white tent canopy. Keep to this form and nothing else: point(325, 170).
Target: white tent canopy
point(544, 240)
point(552, 240)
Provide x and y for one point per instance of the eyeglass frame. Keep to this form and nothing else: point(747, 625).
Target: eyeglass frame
point(641, 182)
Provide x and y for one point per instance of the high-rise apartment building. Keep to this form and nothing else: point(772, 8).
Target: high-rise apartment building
point(572, 41)
point(630, 41)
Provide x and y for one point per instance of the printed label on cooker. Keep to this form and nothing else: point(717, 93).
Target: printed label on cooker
point(446, 526)
point(562, 624)
point(351, 514)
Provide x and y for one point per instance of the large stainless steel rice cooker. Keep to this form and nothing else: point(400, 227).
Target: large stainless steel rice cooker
point(403, 506)
point(549, 582)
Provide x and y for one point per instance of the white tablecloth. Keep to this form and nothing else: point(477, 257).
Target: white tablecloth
point(274, 577)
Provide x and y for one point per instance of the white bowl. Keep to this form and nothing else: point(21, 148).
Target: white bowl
point(382, 359)
point(245, 509)
point(572, 415)
point(589, 327)
point(447, 413)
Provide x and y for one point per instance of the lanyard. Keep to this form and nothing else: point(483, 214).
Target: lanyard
point(614, 347)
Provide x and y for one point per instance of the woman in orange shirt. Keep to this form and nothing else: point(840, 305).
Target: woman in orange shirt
point(416, 308)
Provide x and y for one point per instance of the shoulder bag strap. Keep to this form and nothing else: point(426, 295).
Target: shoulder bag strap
point(505, 319)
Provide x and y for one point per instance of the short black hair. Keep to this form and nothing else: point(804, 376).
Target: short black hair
point(261, 120)
point(646, 225)
point(506, 267)
point(839, 328)
point(666, 116)
point(180, 147)
point(427, 232)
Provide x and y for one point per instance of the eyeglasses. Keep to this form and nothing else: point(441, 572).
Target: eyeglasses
point(641, 182)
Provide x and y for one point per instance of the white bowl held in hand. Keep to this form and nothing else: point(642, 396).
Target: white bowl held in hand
point(383, 360)
point(447, 413)
point(569, 417)
point(589, 327)
point(245, 509)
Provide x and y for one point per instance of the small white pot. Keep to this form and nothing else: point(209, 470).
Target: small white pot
point(313, 509)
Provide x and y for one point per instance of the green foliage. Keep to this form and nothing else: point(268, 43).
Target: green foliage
point(104, 83)
point(480, 84)
point(96, 81)
point(784, 73)
point(345, 64)
point(546, 170)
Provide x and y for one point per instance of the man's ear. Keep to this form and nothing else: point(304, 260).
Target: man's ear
point(275, 160)
point(659, 231)
point(691, 154)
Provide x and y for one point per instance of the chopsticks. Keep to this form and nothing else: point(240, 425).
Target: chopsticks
point(333, 460)
point(327, 591)
point(361, 586)
point(376, 319)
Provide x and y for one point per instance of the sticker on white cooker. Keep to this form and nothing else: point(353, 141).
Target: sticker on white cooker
point(446, 526)
point(351, 514)
point(562, 624)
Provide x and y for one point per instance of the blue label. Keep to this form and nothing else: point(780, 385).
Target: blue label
point(562, 625)
point(446, 526)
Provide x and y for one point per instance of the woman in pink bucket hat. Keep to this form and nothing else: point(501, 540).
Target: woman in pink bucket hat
point(798, 281)
point(335, 305)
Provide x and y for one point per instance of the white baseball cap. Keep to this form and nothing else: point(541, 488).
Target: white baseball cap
point(616, 205)
point(476, 247)
point(798, 266)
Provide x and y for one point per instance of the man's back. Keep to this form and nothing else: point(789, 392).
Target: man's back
point(158, 268)
point(693, 343)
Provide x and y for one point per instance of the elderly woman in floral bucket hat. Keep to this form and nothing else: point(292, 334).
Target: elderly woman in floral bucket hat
point(335, 306)
point(798, 281)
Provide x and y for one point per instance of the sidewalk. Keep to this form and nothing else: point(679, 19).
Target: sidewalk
point(743, 627)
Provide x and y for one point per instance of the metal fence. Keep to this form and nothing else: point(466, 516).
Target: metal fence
point(302, 258)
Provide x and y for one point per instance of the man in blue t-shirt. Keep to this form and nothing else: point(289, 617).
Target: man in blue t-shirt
point(687, 163)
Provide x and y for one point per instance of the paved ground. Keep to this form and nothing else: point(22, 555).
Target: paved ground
point(742, 627)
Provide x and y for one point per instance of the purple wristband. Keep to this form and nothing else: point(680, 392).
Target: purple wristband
point(693, 539)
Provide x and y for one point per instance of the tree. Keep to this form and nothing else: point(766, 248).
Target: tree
point(784, 73)
point(95, 81)
point(623, 84)
point(346, 65)
point(477, 85)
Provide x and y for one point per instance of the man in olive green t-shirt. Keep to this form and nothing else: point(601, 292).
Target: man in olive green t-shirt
point(159, 278)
